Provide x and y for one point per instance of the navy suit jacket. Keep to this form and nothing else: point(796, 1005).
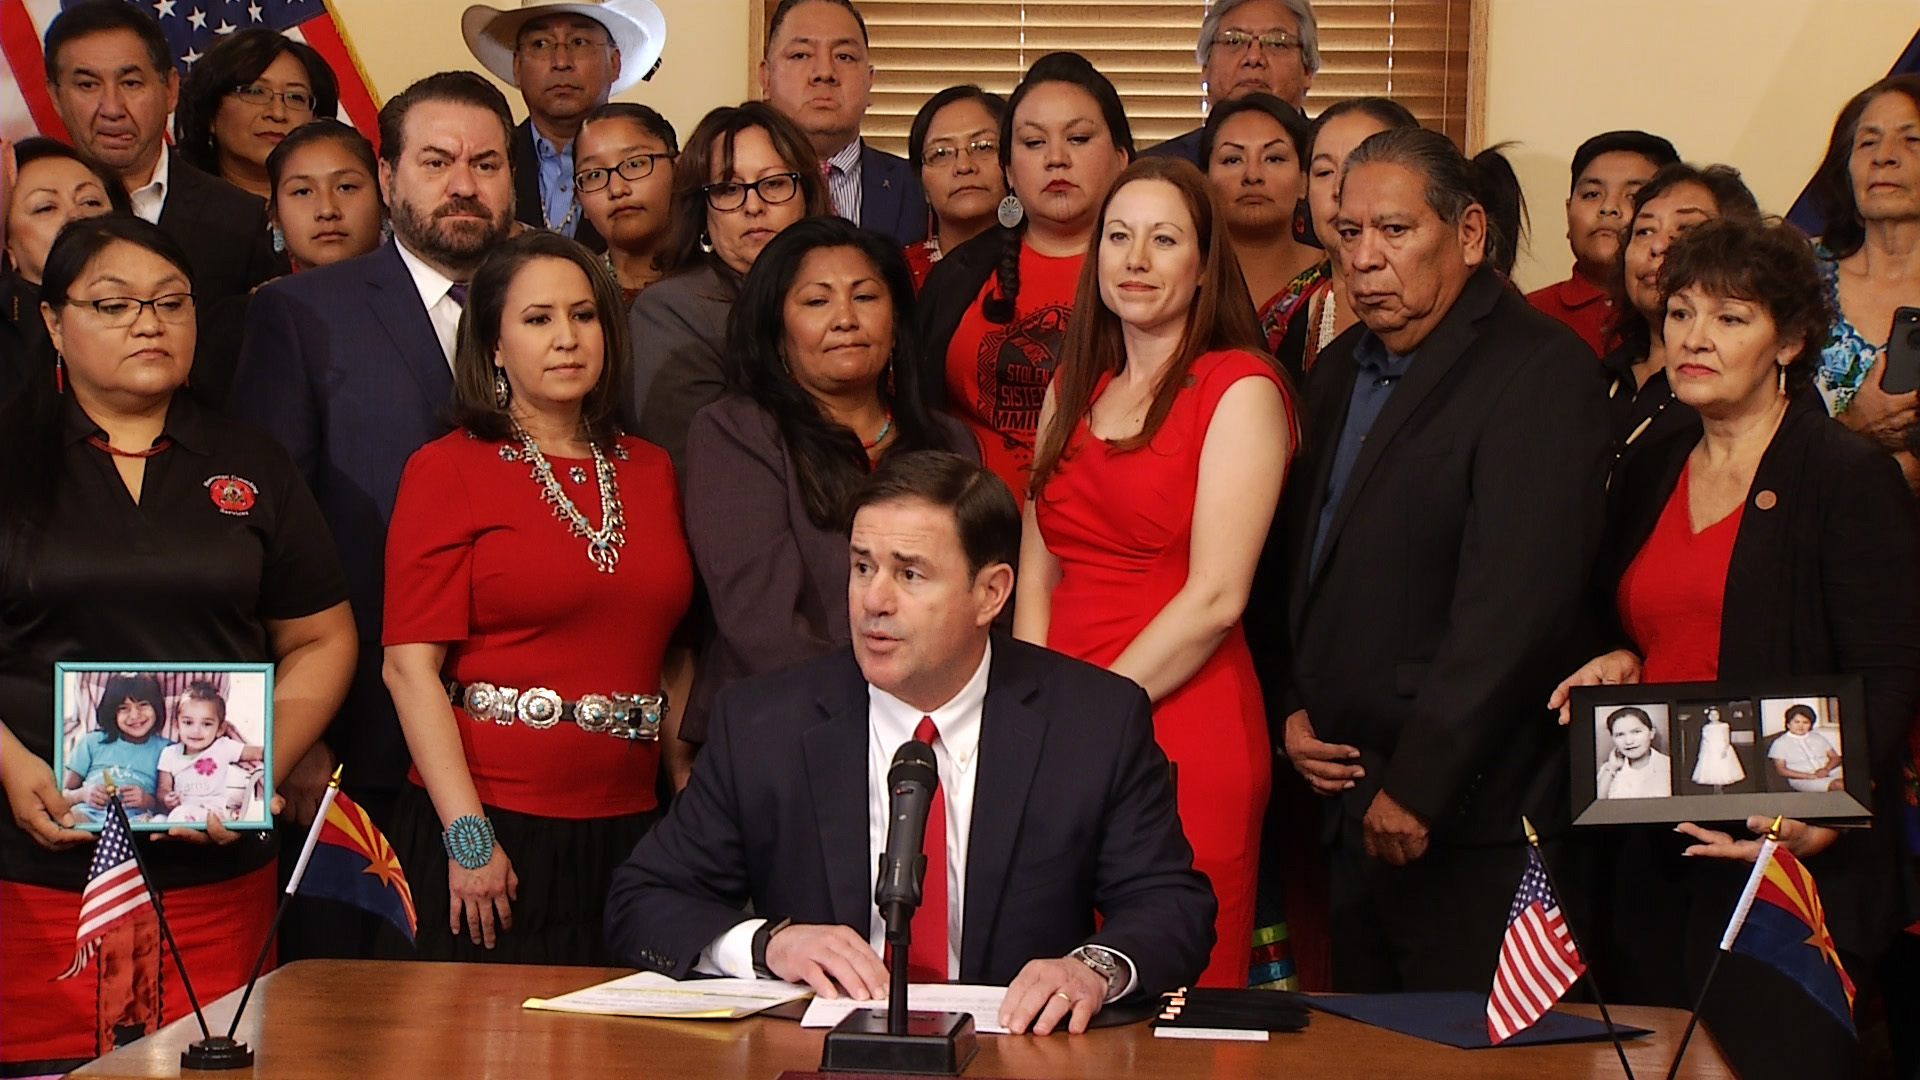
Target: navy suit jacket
point(1073, 812)
point(891, 201)
point(1186, 145)
point(341, 364)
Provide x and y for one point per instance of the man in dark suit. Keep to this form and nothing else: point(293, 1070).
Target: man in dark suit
point(110, 73)
point(348, 364)
point(1054, 801)
point(1443, 534)
point(567, 59)
point(816, 72)
point(1252, 46)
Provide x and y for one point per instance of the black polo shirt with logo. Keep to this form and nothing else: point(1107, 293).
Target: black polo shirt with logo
point(225, 537)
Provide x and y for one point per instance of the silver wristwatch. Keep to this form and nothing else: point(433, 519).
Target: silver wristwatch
point(1107, 964)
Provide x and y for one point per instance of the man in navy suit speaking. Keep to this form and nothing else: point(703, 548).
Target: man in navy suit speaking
point(348, 365)
point(816, 72)
point(1054, 803)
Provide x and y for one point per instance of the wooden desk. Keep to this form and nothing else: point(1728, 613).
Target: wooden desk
point(370, 1020)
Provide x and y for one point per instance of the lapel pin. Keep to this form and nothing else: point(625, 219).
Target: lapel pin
point(1766, 500)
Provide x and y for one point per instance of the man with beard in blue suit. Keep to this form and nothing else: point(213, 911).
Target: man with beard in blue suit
point(349, 366)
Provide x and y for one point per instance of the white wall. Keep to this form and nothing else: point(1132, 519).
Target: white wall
point(1751, 83)
point(705, 63)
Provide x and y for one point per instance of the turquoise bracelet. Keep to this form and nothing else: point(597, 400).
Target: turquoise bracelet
point(469, 841)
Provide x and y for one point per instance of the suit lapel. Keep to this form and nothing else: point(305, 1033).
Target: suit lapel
point(835, 748)
point(1329, 396)
point(1010, 738)
point(526, 176)
point(879, 199)
point(1435, 360)
point(395, 302)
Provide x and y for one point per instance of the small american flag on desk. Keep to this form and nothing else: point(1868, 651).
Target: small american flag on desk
point(191, 26)
point(1538, 960)
point(116, 891)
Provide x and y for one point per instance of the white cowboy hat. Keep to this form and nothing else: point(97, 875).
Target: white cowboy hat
point(638, 29)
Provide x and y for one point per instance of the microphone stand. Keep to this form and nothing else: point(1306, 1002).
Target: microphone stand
point(902, 1041)
point(899, 941)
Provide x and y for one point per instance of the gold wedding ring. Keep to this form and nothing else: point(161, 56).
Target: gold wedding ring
point(1062, 995)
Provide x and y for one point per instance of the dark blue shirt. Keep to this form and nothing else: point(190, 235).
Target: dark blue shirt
point(1379, 371)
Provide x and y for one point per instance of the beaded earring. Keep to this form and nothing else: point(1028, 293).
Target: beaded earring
point(279, 239)
point(1011, 212)
point(59, 374)
point(1783, 380)
point(502, 393)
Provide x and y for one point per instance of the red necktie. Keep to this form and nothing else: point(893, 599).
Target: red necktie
point(826, 178)
point(927, 954)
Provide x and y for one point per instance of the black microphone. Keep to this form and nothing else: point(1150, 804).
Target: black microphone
point(903, 865)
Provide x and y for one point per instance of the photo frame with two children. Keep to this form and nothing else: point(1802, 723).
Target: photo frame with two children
point(181, 743)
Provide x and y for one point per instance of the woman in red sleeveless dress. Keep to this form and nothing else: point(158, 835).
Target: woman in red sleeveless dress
point(1164, 443)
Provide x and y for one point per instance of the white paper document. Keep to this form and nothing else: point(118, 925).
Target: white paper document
point(1224, 1034)
point(649, 993)
point(982, 1001)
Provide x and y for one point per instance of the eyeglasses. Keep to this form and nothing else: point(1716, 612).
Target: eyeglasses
point(732, 195)
point(119, 312)
point(543, 48)
point(946, 157)
point(1240, 40)
point(637, 167)
point(260, 97)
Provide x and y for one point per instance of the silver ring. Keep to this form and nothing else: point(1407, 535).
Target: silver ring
point(539, 708)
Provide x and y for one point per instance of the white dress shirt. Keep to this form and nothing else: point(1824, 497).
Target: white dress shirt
point(436, 296)
point(151, 198)
point(956, 754)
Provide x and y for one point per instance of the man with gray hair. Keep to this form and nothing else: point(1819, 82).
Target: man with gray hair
point(1442, 534)
point(1252, 46)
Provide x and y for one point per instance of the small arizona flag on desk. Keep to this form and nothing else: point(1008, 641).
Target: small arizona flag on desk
point(346, 858)
point(1779, 921)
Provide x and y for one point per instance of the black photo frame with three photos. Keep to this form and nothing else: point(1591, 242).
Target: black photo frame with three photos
point(1720, 751)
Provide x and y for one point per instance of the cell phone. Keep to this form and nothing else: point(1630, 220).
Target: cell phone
point(1902, 374)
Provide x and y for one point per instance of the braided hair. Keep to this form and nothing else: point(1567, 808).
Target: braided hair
point(1055, 67)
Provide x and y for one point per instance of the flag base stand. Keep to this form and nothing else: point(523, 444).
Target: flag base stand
point(216, 1053)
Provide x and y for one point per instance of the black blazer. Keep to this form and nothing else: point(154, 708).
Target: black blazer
point(891, 200)
point(1448, 602)
point(1823, 580)
point(223, 231)
point(777, 581)
point(1073, 812)
point(526, 191)
point(952, 286)
point(341, 364)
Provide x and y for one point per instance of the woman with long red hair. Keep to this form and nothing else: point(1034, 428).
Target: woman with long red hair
point(1164, 441)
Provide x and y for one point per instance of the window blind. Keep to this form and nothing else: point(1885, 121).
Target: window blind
point(1414, 51)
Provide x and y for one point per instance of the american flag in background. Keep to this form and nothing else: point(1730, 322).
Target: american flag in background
point(116, 891)
point(1538, 960)
point(191, 27)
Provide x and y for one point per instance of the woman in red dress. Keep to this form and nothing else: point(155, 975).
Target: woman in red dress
point(535, 571)
point(1164, 442)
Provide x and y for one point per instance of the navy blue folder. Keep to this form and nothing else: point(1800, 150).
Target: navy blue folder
point(1459, 1019)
